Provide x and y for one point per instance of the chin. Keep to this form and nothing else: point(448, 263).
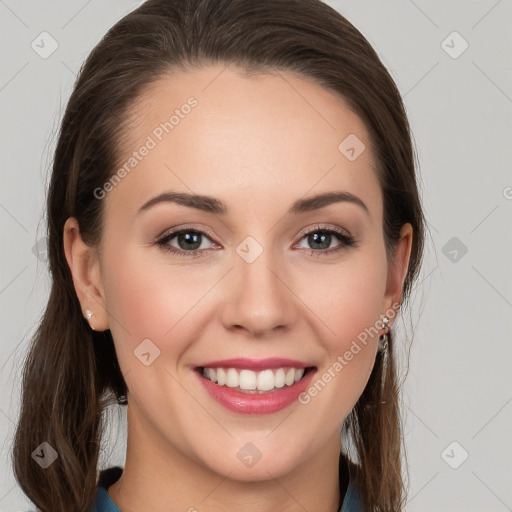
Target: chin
point(250, 465)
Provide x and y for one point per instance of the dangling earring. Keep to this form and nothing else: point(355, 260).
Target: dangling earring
point(383, 340)
point(88, 315)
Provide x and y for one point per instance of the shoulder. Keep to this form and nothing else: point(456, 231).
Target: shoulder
point(353, 500)
point(102, 501)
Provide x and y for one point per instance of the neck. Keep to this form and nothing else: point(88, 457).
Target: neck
point(158, 476)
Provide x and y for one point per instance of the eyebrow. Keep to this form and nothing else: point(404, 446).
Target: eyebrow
point(212, 205)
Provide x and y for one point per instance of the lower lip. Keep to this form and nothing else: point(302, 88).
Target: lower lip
point(256, 403)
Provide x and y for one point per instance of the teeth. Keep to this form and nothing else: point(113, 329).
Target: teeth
point(265, 380)
point(232, 380)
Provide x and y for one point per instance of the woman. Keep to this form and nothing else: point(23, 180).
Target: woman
point(234, 224)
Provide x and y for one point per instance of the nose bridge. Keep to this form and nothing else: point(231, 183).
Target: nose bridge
point(259, 300)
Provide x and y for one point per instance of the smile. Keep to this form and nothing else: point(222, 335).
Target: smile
point(257, 391)
point(249, 380)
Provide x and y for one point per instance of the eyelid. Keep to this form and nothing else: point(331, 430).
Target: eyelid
point(185, 227)
point(319, 227)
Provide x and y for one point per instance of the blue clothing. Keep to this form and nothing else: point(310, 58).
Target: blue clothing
point(103, 502)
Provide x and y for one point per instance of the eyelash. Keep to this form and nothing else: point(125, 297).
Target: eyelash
point(345, 239)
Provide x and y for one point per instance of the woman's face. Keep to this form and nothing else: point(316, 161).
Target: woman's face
point(252, 276)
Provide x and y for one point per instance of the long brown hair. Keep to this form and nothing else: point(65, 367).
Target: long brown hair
point(71, 373)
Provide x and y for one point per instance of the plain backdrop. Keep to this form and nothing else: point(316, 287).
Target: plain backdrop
point(452, 63)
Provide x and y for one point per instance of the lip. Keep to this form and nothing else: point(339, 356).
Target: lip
point(255, 364)
point(257, 403)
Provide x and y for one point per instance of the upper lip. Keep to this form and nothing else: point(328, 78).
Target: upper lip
point(255, 364)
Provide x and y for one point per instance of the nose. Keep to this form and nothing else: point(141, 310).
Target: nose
point(259, 299)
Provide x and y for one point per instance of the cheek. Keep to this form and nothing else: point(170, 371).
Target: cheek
point(148, 299)
point(154, 301)
point(348, 298)
point(351, 307)
point(350, 311)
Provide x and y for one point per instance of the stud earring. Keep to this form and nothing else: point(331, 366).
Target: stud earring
point(383, 340)
point(88, 315)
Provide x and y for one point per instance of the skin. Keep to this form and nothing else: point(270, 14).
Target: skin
point(269, 141)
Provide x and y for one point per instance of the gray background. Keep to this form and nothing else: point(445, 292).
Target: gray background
point(458, 389)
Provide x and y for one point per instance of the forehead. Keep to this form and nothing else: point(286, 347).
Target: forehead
point(214, 130)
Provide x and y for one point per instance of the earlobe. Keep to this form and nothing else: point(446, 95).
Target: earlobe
point(84, 265)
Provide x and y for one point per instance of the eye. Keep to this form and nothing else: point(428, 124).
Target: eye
point(192, 243)
point(320, 239)
point(188, 242)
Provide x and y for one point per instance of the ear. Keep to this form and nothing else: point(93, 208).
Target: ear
point(84, 264)
point(398, 269)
